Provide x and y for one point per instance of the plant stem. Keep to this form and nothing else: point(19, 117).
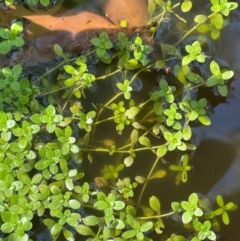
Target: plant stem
point(156, 216)
point(194, 28)
point(145, 183)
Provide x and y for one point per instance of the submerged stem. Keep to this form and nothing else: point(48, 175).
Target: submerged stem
point(145, 183)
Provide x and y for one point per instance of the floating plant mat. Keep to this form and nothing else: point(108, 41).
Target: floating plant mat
point(112, 129)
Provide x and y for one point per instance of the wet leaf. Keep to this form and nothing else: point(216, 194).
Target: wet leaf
point(157, 107)
point(140, 179)
point(178, 72)
point(123, 23)
point(204, 120)
point(58, 50)
point(129, 234)
point(56, 229)
point(134, 137)
point(148, 212)
point(227, 75)
point(154, 204)
point(158, 225)
point(85, 230)
point(138, 126)
point(143, 140)
point(160, 64)
point(162, 150)
point(132, 112)
point(146, 226)
point(158, 174)
point(91, 220)
point(187, 132)
point(186, 5)
point(200, 18)
point(128, 161)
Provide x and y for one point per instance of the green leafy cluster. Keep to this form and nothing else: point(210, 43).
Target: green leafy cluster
point(47, 151)
point(220, 9)
point(16, 91)
point(9, 38)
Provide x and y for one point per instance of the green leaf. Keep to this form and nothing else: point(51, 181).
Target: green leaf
point(56, 229)
point(17, 26)
point(214, 67)
point(143, 140)
point(205, 120)
point(146, 226)
point(222, 89)
point(220, 201)
point(132, 112)
point(101, 205)
point(100, 52)
point(95, 42)
point(157, 107)
point(74, 204)
point(198, 212)
point(68, 235)
point(123, 23)
point(7, 227)
point(158, 174)
point(227, 75)
point(73, 222)
point(186, 6)
point(129, 234)
point(186, 218)
point(200, 18)
point(160, 64)
point(15, 86)
point(58, 50)
point(134, 137)
point(91, 220)
point(128, 161)
point(45, 3)
point(187, 132)
point(118, 205)
point(211, 81)
point(193, 198)
point(17, 70)
point(140, 179)
point(18, 42)
point(225, 218)
point(218, 21)
point(154, 204)
point(186, 60)
point(85, 230)
point(70, 69)
point(162, 150)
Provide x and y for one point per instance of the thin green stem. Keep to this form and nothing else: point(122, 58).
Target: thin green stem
point(145, 183)
point(194, 28)
point(156, 216)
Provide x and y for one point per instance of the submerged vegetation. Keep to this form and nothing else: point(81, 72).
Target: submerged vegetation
point(49, 136)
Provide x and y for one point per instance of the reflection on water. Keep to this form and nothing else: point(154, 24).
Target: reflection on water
point(121, 76)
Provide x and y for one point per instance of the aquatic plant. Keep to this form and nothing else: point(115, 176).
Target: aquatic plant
point(49, 136)
point(10, 37)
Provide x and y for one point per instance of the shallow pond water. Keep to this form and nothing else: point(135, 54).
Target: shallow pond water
point(216, 161)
